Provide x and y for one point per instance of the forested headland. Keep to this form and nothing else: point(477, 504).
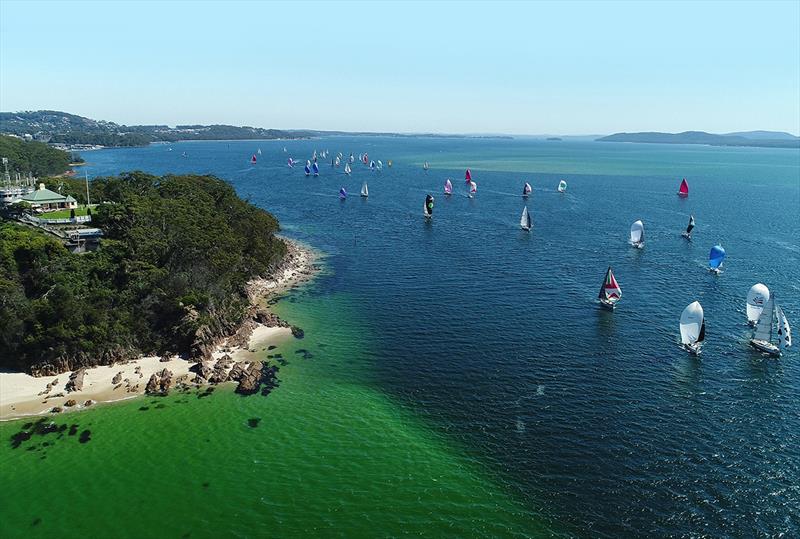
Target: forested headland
point(168, 278)
point(35, 157)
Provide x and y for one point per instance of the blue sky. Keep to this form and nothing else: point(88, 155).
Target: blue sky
point(520, 68)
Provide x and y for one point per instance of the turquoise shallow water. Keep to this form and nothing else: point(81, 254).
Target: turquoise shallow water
point(462, 381)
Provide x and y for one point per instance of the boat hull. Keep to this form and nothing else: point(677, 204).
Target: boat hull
point(693, 349)
point(607, 305)
point(766, 347)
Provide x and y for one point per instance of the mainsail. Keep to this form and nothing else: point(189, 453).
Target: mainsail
point(690, 226)
point(308, 167)
point(290, 162)
point(692, 324)
point(526, 189)
point(448, 187)
point(562, 186)
point(342, 193)
point(347, 168)
point(757, 296)
point(764, 326)
point(316, 169)
point(784, 331)
point(253, 159)
point(610, 290)
point(364, 190)
point(467, 176)
point(716, 256)
point(525, 220)
point(684, 189)
point(637, 232)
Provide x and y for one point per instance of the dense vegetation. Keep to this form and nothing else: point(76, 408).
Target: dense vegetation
point(755, 138)
point(54, 126)
point(35, 157)
point(170, 275)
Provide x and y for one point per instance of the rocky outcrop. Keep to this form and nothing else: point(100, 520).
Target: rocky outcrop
point(75, 382)
point(159, 383)
point(70, 403)
point(298, 333)
point(109, 356)
point(117, 378)
point(250, 380)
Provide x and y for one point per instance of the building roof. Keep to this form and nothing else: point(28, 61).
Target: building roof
point(44, 196)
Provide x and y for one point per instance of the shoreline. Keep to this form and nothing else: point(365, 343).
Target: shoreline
point(23, 395)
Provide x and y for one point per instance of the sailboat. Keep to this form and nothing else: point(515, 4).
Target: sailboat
point(389, 163)
point(364, 190)
point(467, 177)
point(315, 168)
point(284, 149)
point(336, 161)
point(693, 328)
point(352, 158)
point(253, 159)
point(448, 187)
point(610, 291)
point(347, 169)
point(259, 151)
point(763, 335)
point(757, 297)
point(689, 227)
point(526, 190)
point(525, 221)
point(425, 166)
point(562, 186)
point(683, 190)
point(290, 163)
point(473, 188)
point(379, 165)
point(637, 234)
point(427, 208)
point(308, 167)
point(715, 258)
point(372, 165)
point(342, 193)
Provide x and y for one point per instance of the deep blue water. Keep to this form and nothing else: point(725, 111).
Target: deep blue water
point(492, 335)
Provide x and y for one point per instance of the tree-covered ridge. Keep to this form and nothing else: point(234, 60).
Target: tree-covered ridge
point(169, 277)
point(35, 157)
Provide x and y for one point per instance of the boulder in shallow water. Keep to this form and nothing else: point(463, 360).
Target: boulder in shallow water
point(297, 332)
point(75, 382)
point(70, 403)
point(117, 378)
point(159, 383)
point(250, 381)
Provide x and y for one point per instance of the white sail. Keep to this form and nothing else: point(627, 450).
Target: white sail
point(784, 331)
point(425, 211)
point(757, 297)
point(347, 168)
point(525, 220)
point(637, 232)
point(691, 323)
point(562, 186)
point(764, 326)
point(365, 190)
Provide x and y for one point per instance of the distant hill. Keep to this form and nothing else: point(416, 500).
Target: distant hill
point(60, 127)
point(766, 139)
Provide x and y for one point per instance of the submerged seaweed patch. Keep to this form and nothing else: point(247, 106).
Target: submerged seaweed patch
point(253, 422)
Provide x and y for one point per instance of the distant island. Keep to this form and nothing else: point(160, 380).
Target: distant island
point(73, 132)
point(763, 139)
point(554, 138)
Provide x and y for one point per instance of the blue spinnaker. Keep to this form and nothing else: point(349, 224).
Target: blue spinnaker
point(716, 256)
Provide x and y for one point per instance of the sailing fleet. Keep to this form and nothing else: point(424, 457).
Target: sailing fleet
point(771, 334)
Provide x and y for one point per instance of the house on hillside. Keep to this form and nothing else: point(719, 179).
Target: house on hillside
point(44, 200)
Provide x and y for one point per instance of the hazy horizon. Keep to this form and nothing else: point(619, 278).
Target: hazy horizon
point(520, 69)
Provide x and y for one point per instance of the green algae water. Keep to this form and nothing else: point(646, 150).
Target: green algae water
point(325, 454)
point(457, 378)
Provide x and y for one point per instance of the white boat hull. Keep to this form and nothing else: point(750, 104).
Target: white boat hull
point(766, 347)
point(693, 349)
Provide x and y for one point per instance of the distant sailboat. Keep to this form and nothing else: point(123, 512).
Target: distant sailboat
point(610, 291)
point(342, 193)
point(284, 149)
point(715, 258)
point(425, 166)
point(308, 168)
point(352, 158)
point(290, 163)
point(525, 221)
point(473, 188)
point(389, 163)
point(683, 190)
point(379, 165)
point(347, 169)
point(764, 333)
point(637, 234)
point(757, 297)
point(467, 177)
point(427, 208)
point(689, 227)
point(448, 187)
point(693, 328)
point(315, 168)
point(526, 190)
point(336, 161)
point(364, 190)
point(372, 165)
point(562, 186)
point(259, 151)
point(253, 159)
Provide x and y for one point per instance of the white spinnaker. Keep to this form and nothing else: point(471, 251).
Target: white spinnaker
point(764, 326)
point(757, 297)
point(691, 322)
point(637, 232)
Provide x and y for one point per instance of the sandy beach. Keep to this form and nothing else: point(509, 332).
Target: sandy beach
point(25, 395)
